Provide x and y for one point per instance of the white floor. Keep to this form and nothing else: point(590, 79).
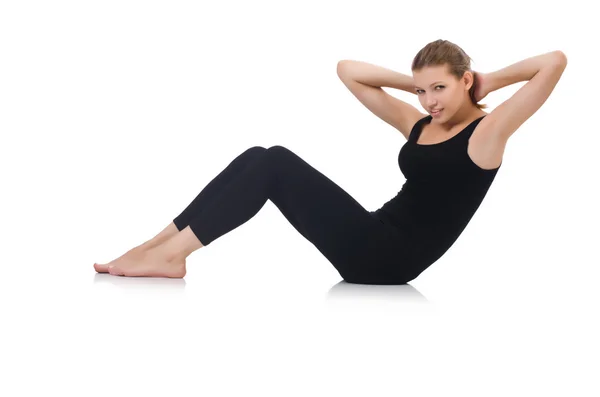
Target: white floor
point(279, 324)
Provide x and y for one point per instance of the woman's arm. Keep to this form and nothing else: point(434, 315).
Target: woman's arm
point(521, 71)
point(376, 76)
point(543, 72)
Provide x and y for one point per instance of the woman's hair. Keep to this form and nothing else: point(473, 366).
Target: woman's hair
point(444, 52)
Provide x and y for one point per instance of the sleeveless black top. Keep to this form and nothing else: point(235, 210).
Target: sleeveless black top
point(443, 190)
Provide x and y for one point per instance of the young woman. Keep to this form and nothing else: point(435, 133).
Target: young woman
point(450, 160)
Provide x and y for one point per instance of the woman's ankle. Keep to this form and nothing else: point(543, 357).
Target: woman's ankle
point(163, 236)
point(152, 243)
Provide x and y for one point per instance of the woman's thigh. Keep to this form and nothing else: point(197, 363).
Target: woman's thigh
point(353, 239)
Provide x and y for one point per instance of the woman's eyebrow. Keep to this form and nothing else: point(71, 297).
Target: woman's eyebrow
point(430, 84)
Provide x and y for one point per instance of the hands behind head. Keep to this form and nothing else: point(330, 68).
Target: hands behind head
point(481, 86)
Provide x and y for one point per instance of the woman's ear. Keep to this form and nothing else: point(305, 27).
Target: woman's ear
point(469, 79)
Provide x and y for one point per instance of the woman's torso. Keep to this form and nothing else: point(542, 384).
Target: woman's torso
point(444, 187)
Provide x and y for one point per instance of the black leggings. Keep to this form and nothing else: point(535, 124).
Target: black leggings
point(356, 242)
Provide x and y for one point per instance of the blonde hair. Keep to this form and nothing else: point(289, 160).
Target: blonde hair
point(444, 52)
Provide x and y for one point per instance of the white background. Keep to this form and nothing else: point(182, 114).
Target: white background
point(115, 114)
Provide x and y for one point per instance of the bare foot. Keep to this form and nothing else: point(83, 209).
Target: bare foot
point(132, 254)
point(151, 263)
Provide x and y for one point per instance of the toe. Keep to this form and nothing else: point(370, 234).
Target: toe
point(115, 271)
point(101, 268)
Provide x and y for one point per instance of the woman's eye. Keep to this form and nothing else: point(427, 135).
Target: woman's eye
point(418, 91)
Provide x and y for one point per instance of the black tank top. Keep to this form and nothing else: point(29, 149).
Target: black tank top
point(443, 190)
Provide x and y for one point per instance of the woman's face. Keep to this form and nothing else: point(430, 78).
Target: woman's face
point(438, 89)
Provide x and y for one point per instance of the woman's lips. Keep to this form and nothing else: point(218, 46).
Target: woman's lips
point(437, 113)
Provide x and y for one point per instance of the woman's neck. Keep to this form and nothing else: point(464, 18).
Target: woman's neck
point(460, 118)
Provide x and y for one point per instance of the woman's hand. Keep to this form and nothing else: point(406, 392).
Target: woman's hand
point(481, 85)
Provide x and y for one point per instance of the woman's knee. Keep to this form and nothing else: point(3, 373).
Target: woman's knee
point(256, 149)
point(250, 154)
point(279, 149)
point(279, 154)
